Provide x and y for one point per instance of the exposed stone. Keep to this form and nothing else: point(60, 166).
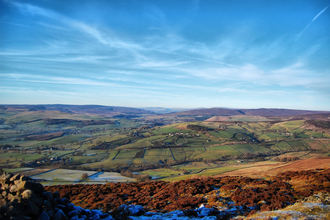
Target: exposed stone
point(48, 196)
point(5, 187)
point(73, 213)
point(43, 216)
point(13, 211)
point(35, 187)
point(47, 206)
point(37, 200)
point(136, 209)
point(15, 177)
point(26, 194)
point(2, 202)
point(7, 176)
point(59, 216)
point(32, 208)
point(10, 196)
point(17, 182)
point(13, 188)
point(56, 195)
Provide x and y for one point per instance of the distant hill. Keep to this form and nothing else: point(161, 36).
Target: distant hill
point(265, 112)
point(161, 110)
point(82, 109)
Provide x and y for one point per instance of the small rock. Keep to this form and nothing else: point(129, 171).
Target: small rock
point(151, 213)
point(96, 217)
point(32, 208)
point(37, 200)
point(79, 209)
point(72, 213)
point(26, 194)
point(2, 202)
point(43, 216)
point(48, 196)
point(50, 213)
point(206, 212)
point(70, 206)
point(15, 177)
point(7, 176)
point(56, 195)
point(17, 182)
point(35, 187)
point(10, 196)
point(61, 206)
point(65, 201)
point(13, 188)
point(47, 206)
point(108, 218)
point(12, 211)
point(177, 213)
point(59, 216)
point(136, 209)
point(5, 186)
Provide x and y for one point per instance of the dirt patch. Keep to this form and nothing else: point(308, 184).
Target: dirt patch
point(181, 127)
point(307, 164)
point(254, 171)
point(273, 169)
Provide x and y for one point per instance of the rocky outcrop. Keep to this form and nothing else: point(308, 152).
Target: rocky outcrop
point(22, 198)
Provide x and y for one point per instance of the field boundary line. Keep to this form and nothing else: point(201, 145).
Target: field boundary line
point(258, 150)
point(172, 154)
point(290, 146)
point(144, 152)
point(44, 172)
point(116, 155)
point(235, 149)
point(325, 147)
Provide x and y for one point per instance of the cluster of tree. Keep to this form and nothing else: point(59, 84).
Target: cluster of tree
point(197, 128)
point(44, 137)
point(138, 177)
point(286, 159)
point(49, 121)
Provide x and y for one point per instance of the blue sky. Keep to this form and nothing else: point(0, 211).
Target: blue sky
point(239, 54)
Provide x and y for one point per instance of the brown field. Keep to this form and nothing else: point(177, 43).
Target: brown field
point(273, 169)
point(315, 144)
point(308, 164)
point(254, 170)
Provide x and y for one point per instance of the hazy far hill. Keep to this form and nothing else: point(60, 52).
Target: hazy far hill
point(162, 110)
point(81, 109)
point(265, 112)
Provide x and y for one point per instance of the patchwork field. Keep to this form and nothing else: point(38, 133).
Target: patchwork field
point(66, 176)
point(95, 142)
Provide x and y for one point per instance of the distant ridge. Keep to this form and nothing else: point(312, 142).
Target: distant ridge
point(162, 110)
point(266, 112)
point(82, 109)
point(159, 112)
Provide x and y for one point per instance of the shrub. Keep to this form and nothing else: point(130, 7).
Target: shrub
point(84, 176)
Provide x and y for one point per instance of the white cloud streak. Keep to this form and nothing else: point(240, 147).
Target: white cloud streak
point(301, 33)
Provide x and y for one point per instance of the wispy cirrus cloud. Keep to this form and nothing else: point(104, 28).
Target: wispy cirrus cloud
point(309, 24)
point(109, 39)
point(293, 75)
